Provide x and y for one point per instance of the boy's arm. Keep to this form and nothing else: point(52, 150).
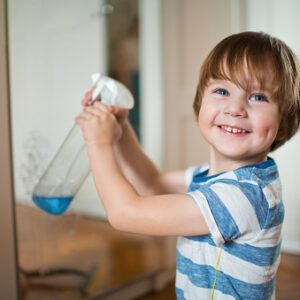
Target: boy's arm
point(136, 166)
point(172, 214)
point(141, 172)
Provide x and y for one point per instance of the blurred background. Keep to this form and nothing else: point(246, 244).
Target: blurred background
point(156, 49)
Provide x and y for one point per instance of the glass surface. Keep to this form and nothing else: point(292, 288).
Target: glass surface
point(54, 48)
point(123, 51)
point(70, 166)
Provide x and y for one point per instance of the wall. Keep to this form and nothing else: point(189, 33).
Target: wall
point(190, 30)
point(281, 19)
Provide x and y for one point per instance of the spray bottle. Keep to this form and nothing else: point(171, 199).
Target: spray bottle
point(70, 166)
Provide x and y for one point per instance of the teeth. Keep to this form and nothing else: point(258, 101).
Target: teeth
point(233, 130)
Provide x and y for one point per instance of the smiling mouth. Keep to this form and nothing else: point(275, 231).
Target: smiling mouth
point(233, 129)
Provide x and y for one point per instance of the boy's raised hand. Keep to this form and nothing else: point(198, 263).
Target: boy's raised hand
point(120, 113)
point(99, 126)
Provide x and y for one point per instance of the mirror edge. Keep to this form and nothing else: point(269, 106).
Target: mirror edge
point(9, 262)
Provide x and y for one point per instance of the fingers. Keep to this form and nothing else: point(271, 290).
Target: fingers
point(88, 97)
point(96, 108)
point(100, 109)
point(86, 115)
point(82, 117)
point(120, 113)
point(116, 110)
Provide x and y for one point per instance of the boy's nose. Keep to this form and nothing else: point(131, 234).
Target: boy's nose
point(236, 108)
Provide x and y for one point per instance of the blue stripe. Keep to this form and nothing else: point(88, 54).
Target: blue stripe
point(270, 162)
point(193, 186)
point(223, 218)
point(202, 239)
point(258, 201)
point(202, 276)
point(260, 256)
point(275, 216)
point(263, 173)
point(266, 170)
point(266, 217)
point(254, 195)
point(202, 177)
point(180, 294)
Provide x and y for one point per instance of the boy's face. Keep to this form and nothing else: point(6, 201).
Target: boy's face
point(239, 126)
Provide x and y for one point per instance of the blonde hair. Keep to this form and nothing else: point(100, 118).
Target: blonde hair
point(248, 56)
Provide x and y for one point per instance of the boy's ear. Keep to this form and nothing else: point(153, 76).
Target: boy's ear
point(280, 138)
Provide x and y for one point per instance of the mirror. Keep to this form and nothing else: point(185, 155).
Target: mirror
point(54, 47)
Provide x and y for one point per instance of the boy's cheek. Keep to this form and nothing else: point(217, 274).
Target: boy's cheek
point(207, 115)
point(268, 126)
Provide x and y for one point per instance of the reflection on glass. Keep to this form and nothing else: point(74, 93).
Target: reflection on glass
point(123, 50)
point(54, 48)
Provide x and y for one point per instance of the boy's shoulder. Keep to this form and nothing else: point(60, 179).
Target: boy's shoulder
point(262, 174)
point(255, 182)
point(239, 203)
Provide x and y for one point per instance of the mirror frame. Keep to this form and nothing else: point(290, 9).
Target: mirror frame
point(8, 262)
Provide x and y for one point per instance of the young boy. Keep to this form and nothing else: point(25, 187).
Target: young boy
point(229, 221)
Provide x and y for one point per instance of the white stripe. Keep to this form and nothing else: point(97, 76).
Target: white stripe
point(273, 192)
point(205, 254)
point(189, 172)
point(249, 181)
point(192, 292)
point(240, 209)
point(204, 167)
point(188, 175)
point(266, 238)
point(209, 218)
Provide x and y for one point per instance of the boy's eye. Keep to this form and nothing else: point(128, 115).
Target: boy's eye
point(222, 92)
point(260, 98)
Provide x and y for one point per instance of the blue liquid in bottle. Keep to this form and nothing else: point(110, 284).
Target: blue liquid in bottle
point(52, 205)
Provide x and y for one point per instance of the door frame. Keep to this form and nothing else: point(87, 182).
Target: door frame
point(151, 83)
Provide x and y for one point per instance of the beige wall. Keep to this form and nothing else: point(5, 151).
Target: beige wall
point(281, 19)
point(190, 29)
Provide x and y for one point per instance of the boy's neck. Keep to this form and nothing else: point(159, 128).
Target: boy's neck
point(219, 164)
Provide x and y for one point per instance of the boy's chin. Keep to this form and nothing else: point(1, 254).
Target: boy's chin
point(241, 156)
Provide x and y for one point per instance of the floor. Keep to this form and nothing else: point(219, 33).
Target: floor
point(48, 242)
point(73, 243)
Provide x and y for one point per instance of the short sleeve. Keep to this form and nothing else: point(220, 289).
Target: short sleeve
point(228, 211)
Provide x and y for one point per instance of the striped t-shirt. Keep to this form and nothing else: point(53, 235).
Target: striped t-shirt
point(244, 212)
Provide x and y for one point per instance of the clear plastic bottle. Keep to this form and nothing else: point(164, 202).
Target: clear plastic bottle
point(70, 165)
